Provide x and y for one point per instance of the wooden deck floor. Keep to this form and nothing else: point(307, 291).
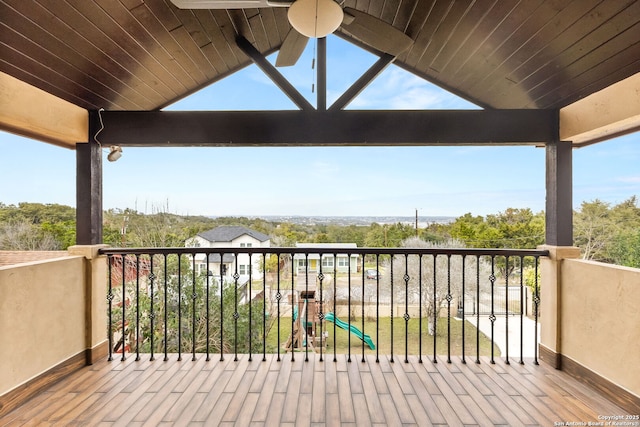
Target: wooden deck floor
point(312, 393)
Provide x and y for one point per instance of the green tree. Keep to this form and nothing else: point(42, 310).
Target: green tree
point(22, 235)
point(518, 228)
point(129, 228)
point(388, 235)
point(429, 278)
point(37, 226)
point(625, 249)
point(270, 265)
point(286, 234)
point(197, 312)
point(322, 238)
point(347, 234)
point(474, 231)
point(513, 228)
point(38, 213)
point(603, 232)
point(593, 229)
point(627, 214)
point(64, 232)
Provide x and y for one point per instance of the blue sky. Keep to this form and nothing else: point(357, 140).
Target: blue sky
point(373, 181)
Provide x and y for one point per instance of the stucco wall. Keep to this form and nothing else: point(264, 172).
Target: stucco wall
point(601, 320)
point(42, 317)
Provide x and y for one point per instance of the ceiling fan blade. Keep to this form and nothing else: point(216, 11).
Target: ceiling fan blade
point(291, 49)
point(375, 32)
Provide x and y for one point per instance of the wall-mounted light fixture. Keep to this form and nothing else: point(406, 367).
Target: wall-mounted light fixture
point(115, 152)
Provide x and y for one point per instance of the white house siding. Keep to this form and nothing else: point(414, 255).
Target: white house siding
point(340, 262)
point(242, 261)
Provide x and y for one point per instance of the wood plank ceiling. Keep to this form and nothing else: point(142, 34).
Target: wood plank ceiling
point(146, 54)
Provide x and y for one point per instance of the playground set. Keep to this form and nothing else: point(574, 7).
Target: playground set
point(308, 329)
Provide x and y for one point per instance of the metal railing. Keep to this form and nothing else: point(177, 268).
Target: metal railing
point(232, 301)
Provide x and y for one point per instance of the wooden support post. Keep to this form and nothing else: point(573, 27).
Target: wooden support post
point(89, 189)
point(559, 205)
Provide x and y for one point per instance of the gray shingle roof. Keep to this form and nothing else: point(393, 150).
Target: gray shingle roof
point(228, 233)
point(226, 258)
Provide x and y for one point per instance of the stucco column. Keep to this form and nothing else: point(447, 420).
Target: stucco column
point(551, 303)
point(96, 301)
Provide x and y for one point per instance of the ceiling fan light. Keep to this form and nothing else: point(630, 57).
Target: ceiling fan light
point(315, 18)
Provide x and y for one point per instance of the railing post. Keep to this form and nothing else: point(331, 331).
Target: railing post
point(551, 303)
point(95, 301)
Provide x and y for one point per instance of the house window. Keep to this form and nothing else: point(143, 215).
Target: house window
point(343, 262)
point(246, 245)
point(243, 269)
point(202, 267)
point(327, 261)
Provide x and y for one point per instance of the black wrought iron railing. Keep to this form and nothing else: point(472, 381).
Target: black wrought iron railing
point(230, 301)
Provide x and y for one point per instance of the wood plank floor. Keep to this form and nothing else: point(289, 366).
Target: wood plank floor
point(313, 393)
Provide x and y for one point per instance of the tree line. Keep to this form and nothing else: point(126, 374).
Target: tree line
point(603, 232)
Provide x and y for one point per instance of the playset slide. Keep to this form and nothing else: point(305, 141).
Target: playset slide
point(329, 317)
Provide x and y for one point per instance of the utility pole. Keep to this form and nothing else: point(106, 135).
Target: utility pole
point(417, 222)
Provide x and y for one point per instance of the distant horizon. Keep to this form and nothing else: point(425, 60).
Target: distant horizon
point(423, 221)
point(332, 216)
point(405, 218)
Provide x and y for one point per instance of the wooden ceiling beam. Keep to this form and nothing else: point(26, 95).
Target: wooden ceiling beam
point(374, 71)
point(606, 114)
point(321, 86)
point(28, 111)
point(273, 74)
point(318, 128)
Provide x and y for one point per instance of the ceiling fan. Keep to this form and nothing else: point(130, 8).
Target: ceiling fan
point(317, 18)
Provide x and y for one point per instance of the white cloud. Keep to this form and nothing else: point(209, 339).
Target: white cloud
point(398, 89)
point(630, 179)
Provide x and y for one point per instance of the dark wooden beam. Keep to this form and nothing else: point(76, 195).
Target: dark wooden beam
point(322, 74)
point(360, 84)
point(89, 188)
point(345, 127)
point(273, 74)
point(559, 204)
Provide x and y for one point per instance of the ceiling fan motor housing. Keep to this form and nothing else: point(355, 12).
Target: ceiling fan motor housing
point(315, 18)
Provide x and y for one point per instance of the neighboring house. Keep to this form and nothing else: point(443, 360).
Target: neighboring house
point(340, 263)
point(228, 236)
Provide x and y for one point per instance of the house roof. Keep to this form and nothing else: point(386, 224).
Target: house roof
point(228, 233)
point(20, 257)
point(215, 258)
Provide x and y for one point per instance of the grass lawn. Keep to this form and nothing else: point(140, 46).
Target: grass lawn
point(401, 335)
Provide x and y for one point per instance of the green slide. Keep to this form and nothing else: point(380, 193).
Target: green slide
point(329, 317)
